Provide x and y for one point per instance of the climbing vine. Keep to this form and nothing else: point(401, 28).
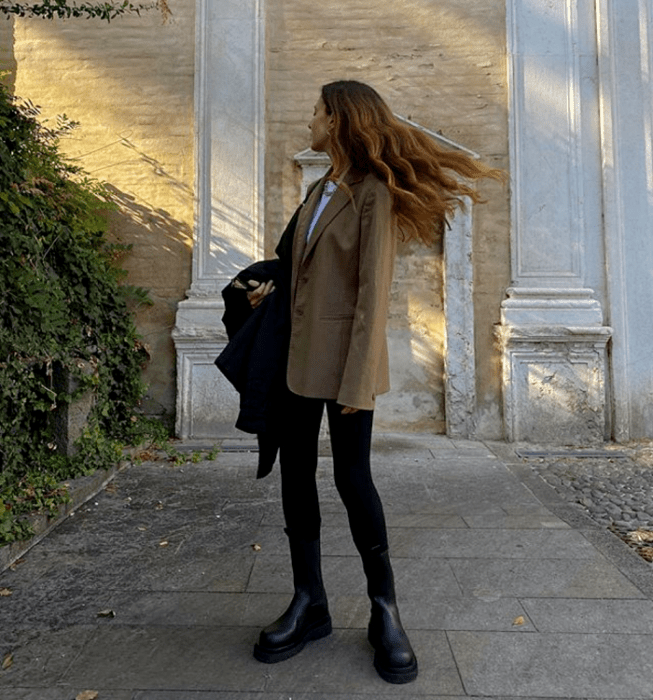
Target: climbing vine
point(63, 306)
point(64, 9)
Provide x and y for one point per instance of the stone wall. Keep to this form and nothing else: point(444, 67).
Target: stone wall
point(442, 64)
point(130, 85)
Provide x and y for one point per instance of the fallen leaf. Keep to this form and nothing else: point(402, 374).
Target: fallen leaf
point(106, 613)
point(16, 564)
point(7, 661)
point(518, 621)
point(142, 528)
point(4, 592)
point(641, 535)
point(87, 695)
point(256, 547)
point(111, 488)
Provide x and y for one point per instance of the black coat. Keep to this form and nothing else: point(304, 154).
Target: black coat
point(256, 357)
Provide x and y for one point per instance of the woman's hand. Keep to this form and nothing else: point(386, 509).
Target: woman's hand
point(348, 410)
point(259, 291)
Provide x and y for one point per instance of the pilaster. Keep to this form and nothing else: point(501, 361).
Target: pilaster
point(229, 127)
point(552, 332)
point(625, 61)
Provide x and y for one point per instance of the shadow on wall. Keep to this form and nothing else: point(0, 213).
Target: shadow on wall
point(132, 101)
point(231, 246)
point(161, 249)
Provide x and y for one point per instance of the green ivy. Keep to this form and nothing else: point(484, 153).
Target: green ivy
point(63, 9)
point(61, 307)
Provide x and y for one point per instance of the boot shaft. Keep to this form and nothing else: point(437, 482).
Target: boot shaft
point(305, 556)
point(379, 574)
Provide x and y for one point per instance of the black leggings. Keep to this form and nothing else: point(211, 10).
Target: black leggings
point(351, 437)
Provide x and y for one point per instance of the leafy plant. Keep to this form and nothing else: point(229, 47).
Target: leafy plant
point(63, 9)
point(62, 308)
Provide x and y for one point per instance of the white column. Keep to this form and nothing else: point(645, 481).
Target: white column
point(552, 328)
point(625, 34)
point(460, 355)
point(229, 108)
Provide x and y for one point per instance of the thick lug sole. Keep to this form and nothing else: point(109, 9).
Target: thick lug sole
point(397, 676)
point(268, 655)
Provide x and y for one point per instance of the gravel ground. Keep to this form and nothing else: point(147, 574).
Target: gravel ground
point(613, 485)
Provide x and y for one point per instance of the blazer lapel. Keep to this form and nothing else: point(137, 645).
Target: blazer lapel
point(306, 215)
point(339, 200)
point(303, 222)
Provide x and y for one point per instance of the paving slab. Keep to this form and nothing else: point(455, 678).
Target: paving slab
point(554, 578)
point(583, 616)
point(180, 609)
point(196, 570)
point(60, 693)
point(42, 657)
point(342, 664)
point(504, 544)
point(124, 658)
point(554, 665)
point(514, 520)
point(49, 606)
point(507, 591)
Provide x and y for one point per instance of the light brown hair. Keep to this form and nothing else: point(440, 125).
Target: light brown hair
point(424, 180)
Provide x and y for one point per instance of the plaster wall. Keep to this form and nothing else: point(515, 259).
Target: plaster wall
point(130, 85)
point(442, 64)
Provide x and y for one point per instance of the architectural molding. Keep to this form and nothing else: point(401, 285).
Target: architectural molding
point(545, 143)
point(460, 354)
point(553, 373)
point(229, 132)
point(554, 384)
point(625, 63)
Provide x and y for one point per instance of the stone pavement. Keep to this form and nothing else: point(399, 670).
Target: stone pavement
point(507, 590)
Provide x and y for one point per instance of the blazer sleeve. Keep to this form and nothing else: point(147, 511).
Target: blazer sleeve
point(368, 345)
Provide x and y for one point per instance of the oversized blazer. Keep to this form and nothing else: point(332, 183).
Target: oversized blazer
point(339, 295)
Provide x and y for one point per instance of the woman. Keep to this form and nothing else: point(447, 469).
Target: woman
point(387, 181)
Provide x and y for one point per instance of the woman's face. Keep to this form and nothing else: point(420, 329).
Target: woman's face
point(320, 127)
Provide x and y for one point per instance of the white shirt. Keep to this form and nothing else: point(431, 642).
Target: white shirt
point(329, 188)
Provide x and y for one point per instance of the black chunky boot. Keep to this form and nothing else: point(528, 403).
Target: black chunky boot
point(394, 659)
point(307, 617)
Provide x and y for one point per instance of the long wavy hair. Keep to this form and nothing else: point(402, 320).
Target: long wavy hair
point(426, 182)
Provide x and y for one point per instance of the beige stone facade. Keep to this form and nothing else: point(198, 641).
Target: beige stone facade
point(131, 85)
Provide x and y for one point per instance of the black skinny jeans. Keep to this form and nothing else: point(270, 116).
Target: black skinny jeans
point(351, 437)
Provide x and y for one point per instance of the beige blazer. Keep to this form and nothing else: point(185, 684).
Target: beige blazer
point(339, 295)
